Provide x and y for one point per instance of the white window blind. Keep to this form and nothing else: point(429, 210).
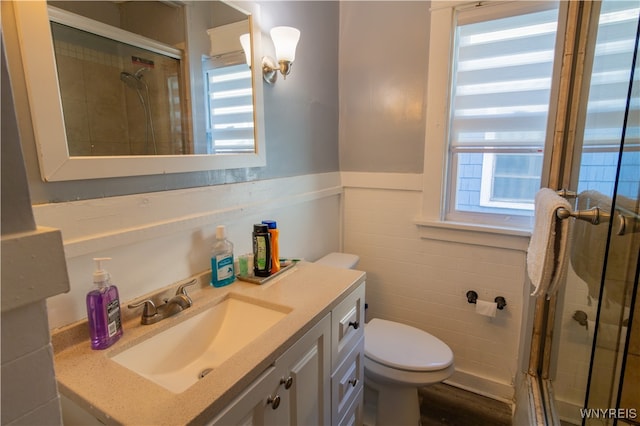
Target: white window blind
point(230, 105)
point(502, 71)
point(503, 80)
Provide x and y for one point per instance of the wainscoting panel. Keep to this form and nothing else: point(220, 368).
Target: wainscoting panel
point(423, 282)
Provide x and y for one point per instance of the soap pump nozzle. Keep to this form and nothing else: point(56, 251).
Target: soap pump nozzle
point(100, 276)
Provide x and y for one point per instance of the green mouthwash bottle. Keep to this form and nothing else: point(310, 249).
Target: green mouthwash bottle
point(222, 272)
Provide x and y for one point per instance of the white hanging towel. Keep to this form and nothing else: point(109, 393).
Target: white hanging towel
point(547, 252)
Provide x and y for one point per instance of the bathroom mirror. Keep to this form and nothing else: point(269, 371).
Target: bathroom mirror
point(114, 96)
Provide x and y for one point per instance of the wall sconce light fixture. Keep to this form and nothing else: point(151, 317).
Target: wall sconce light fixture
point(285, 40)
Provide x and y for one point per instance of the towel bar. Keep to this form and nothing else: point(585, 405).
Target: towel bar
point(625, 224)
point(594, 215)
point(628, 224)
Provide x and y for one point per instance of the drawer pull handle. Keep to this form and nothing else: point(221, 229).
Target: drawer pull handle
point(353, 382)
point(274, 401)
point(354, 324)
point(287, 382)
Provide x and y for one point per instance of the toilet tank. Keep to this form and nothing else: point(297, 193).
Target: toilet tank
point(339, 260)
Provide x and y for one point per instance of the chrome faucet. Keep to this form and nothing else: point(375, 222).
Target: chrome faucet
point(151, 313)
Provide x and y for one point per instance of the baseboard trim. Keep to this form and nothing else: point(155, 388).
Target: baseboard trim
point(482, 386)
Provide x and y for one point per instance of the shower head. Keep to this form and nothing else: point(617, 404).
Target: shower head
point(138, 73)
point(131, 80)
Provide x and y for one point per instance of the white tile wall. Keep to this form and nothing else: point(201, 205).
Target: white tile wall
point(413, 280)
point(29, 393)
point(33, 268)
point(423, 283)
point(47, 414)
point(574, 343)
point(168, 238)
point(27, 329)
point(160, 238)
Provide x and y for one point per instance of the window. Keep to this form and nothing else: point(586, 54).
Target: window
point(500, 93)
point(510, 180)
point(230, 109)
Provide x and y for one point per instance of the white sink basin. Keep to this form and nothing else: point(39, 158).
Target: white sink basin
point(178, 357)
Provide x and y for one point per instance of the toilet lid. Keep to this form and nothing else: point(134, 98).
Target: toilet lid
point(339, 260)
point(404, 347)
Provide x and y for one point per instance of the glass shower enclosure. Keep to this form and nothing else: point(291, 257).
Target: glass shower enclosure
point(591, 371)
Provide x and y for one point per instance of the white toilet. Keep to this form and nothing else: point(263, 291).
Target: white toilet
point(398, 360)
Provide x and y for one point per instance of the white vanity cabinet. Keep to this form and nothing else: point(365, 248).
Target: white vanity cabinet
point(318, 381)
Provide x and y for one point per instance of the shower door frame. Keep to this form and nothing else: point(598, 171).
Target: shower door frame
point(580, 30)
point(571, 83)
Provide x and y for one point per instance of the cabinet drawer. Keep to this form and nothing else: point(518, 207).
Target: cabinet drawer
point(347, 381)
point(354, 414)
point(347, 325)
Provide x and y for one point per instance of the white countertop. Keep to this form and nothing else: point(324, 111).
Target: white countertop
point(117, 395)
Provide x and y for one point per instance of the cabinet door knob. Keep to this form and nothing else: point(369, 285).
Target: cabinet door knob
point(287, 382)
point(354, 324)
point(353, 382)
point(274, 401)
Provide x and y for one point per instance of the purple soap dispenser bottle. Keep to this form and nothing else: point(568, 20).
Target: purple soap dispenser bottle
point(103, 309)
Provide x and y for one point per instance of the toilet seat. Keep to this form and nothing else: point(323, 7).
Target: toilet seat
point(421, 352)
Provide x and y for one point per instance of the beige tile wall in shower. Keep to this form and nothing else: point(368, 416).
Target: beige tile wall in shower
point(103, 116)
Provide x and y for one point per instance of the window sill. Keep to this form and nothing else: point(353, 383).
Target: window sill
point(490, 236)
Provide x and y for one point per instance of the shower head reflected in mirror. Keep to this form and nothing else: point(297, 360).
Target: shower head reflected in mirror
point(131, 80)
point(135, 82)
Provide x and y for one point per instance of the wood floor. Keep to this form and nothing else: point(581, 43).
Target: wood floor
point(444, 405)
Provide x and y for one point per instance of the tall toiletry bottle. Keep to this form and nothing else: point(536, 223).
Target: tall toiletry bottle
point(103, 309)
point(222, 268)
point(275, 249)
point(261, 251)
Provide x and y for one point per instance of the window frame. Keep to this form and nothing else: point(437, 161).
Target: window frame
point(437, 170)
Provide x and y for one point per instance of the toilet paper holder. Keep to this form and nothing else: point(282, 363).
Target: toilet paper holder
point(472, 297)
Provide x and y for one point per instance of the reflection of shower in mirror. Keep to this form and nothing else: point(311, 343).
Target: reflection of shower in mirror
point(83, 127)
point(136, 82)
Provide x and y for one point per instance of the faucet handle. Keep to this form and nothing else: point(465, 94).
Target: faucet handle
point(149, 308)
point(182, 289)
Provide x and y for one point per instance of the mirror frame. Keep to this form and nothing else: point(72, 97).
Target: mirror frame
point(36, 46)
